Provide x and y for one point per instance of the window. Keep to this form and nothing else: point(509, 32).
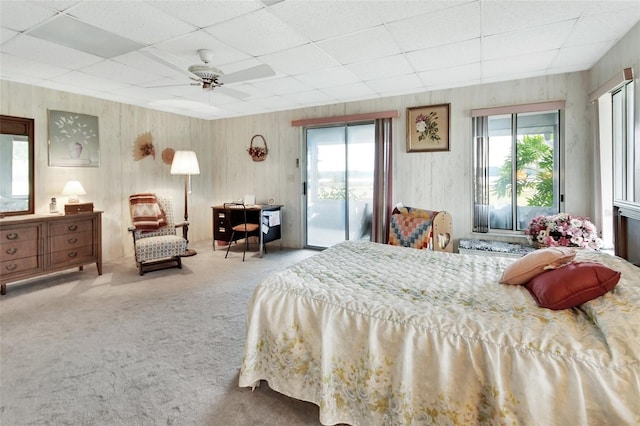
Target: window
point(626, 154)
point(516, 157)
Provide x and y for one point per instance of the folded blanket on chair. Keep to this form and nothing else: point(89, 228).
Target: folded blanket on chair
point(146, 213)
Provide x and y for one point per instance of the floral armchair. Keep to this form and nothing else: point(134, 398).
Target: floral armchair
point(155, 239)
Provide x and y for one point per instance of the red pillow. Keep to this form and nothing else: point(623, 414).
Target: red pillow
point(572, 285)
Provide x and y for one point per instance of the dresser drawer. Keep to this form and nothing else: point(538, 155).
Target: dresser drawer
point(10, 236)
point(72, 256)
point(18, 249)
point(17, 266)
point(70, 227)
point(70, 241)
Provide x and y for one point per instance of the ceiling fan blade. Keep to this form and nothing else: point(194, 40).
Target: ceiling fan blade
point(173, 85)
point(169, 64)
point(231, 92)
point(252, 73)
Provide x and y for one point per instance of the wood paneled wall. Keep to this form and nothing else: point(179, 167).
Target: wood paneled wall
point(439, 181)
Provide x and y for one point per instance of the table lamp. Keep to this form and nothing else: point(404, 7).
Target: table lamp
point(186, 163)
point(73, 188)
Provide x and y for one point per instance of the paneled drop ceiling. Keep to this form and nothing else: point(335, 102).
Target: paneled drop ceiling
point(322, 51)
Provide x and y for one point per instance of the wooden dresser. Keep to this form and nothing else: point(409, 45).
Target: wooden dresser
point(37, 244)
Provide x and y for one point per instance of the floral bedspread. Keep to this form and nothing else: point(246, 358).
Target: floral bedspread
point(384, 335)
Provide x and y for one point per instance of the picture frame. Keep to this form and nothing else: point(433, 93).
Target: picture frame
point(73, 139)
point(428, 128)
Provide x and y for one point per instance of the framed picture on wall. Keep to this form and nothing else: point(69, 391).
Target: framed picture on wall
point(73, 140)
point(428, 128)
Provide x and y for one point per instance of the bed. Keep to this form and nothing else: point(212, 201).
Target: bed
point(384, 335)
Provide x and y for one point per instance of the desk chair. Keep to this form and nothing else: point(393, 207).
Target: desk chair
point(239, 224)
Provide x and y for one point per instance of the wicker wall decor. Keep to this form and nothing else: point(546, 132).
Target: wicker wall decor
point(259, 151)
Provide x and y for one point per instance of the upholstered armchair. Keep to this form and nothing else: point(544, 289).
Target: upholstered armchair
point(155, 239)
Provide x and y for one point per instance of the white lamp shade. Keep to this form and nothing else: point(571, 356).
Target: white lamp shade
point(73, 188)
point(185, 163)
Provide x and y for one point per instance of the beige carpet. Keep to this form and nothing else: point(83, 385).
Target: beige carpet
point(120, 349)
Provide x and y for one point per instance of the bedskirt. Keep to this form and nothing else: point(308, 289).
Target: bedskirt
point(382, 335)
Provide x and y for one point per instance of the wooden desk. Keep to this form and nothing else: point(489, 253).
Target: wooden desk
point(256, 214)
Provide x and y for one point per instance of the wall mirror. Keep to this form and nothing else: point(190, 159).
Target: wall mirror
point(16, 165)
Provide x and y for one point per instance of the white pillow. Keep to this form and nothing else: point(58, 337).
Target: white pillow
point(532, 264)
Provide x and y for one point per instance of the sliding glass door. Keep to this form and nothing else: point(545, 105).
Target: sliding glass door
point(339, 183)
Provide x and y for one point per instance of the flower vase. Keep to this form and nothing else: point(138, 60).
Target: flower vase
point(75, 149)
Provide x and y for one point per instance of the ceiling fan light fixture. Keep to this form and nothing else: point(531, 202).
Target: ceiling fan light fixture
point(205, 72)
point(206, 55)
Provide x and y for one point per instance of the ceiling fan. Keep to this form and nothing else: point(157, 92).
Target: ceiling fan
point(210, 77)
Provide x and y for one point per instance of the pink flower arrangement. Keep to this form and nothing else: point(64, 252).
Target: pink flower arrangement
point(564, 230)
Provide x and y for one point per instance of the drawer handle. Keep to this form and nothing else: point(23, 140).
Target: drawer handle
point(72, 240)
point(11, 267)
point(11, 250)
point(12, 236)
point(72, 227)
point(72, 254)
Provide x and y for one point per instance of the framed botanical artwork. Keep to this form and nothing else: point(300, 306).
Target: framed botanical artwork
point(428, 128)
point(73, 140)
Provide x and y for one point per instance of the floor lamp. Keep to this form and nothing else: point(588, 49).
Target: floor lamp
point(186, 163)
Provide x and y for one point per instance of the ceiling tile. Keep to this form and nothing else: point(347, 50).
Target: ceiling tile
point(87, 81)
point(518, 65)
point(20, 16)
point(535, 39)
point(320, 20)
point(391, 11)
point(64, 30)
point(273, 102)
point(361, 46)
point(145, 63)
point(118, 72)
point(319, 79)
point(439, 28)
point(578, 56)
point(309, 98)
point(381, 68)
point(299, 60)
point(449, 55)
point(253, 91)
point(505, 16)
point(205, 13)
point(457, 76)
point(387, 86)
point(280, 86)
point(44, 51)
point(12, 65)
point(257, 33)
point(602, 27)
point(135, 20)
point(349, 92)
point(7, 34)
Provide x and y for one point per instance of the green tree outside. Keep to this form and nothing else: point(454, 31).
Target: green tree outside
point(534, 172)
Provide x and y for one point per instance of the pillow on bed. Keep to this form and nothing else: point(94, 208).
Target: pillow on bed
point(572, 285)
point(528, 266)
